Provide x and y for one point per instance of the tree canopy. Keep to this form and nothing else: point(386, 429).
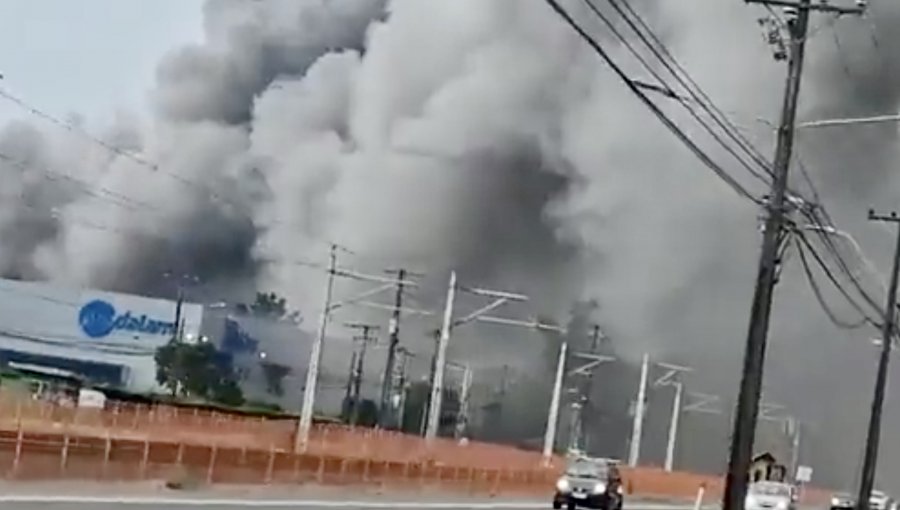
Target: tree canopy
point(198, 371)
point(269, 305)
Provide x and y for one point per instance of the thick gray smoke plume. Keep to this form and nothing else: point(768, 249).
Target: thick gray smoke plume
point(482, 136)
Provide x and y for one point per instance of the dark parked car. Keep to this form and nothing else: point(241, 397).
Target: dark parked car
point(589, 483)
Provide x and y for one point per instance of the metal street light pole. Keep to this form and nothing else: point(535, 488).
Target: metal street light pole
point(304, 424)
point(673, 426)
point(437, 385)
point(590, 362)
point(448, 325)
point(553, 415)
point(639, 406)
point(672, 377)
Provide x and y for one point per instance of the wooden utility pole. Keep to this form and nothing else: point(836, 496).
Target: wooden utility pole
point(364, 340)
point(348, 390)
point(386, 414)
point(797, 28)
point(870, 461)
point(387, 383)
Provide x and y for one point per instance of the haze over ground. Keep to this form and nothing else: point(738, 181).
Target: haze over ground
point(468, 134)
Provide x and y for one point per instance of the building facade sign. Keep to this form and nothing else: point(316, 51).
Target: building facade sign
point(38, 318)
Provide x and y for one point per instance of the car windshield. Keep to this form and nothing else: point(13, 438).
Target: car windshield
point(586, 469)
point(770, 489)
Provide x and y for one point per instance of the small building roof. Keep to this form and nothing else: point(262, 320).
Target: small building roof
point(764, 457)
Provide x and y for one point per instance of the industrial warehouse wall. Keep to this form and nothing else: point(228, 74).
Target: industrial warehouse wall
point(91, 325)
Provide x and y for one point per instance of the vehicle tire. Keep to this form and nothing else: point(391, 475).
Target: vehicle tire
point(571, 505)
point(557, 504)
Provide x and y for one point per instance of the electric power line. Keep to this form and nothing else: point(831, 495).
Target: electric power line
point(801, 237)
point(636, 90)
point(698, 95)
point(99, 192)
point(156, 168)
point(822, 228)
point(817, 292)
point(823, 225)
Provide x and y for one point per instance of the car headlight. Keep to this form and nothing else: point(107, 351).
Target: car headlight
point(750, 501)
point(562, 485)
point(835, 502)
point(782, 505)
point(599, 488)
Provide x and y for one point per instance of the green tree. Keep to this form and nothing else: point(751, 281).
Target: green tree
point(197, 371)
point(167, 366)
point(275, 374)
point(269, 305)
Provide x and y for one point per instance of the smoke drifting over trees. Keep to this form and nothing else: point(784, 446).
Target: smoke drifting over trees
point(483, 136)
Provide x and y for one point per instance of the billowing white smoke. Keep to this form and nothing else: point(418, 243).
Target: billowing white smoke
point(469, 134)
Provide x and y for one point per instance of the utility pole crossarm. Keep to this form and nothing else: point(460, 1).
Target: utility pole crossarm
point(849, 121)
point(893, 217)
point(823, 7)
point(702, 403)
point(372, 278)
point(593, 357)
point(496, 294)
point(365, 328)
point(360, 296)
point(542, 326)
point(588, 368)
point(497, 303)
point(403, 309)
point(669, 378)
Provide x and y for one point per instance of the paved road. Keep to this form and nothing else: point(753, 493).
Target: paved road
point(119, 503)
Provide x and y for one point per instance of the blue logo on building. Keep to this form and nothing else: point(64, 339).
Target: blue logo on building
point(99, 319)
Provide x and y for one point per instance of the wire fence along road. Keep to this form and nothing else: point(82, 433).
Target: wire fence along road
point(40, 456)
point(90, 503)
point(37, 456)
point(145, 422)
point(42, 441)
point(199, 427)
